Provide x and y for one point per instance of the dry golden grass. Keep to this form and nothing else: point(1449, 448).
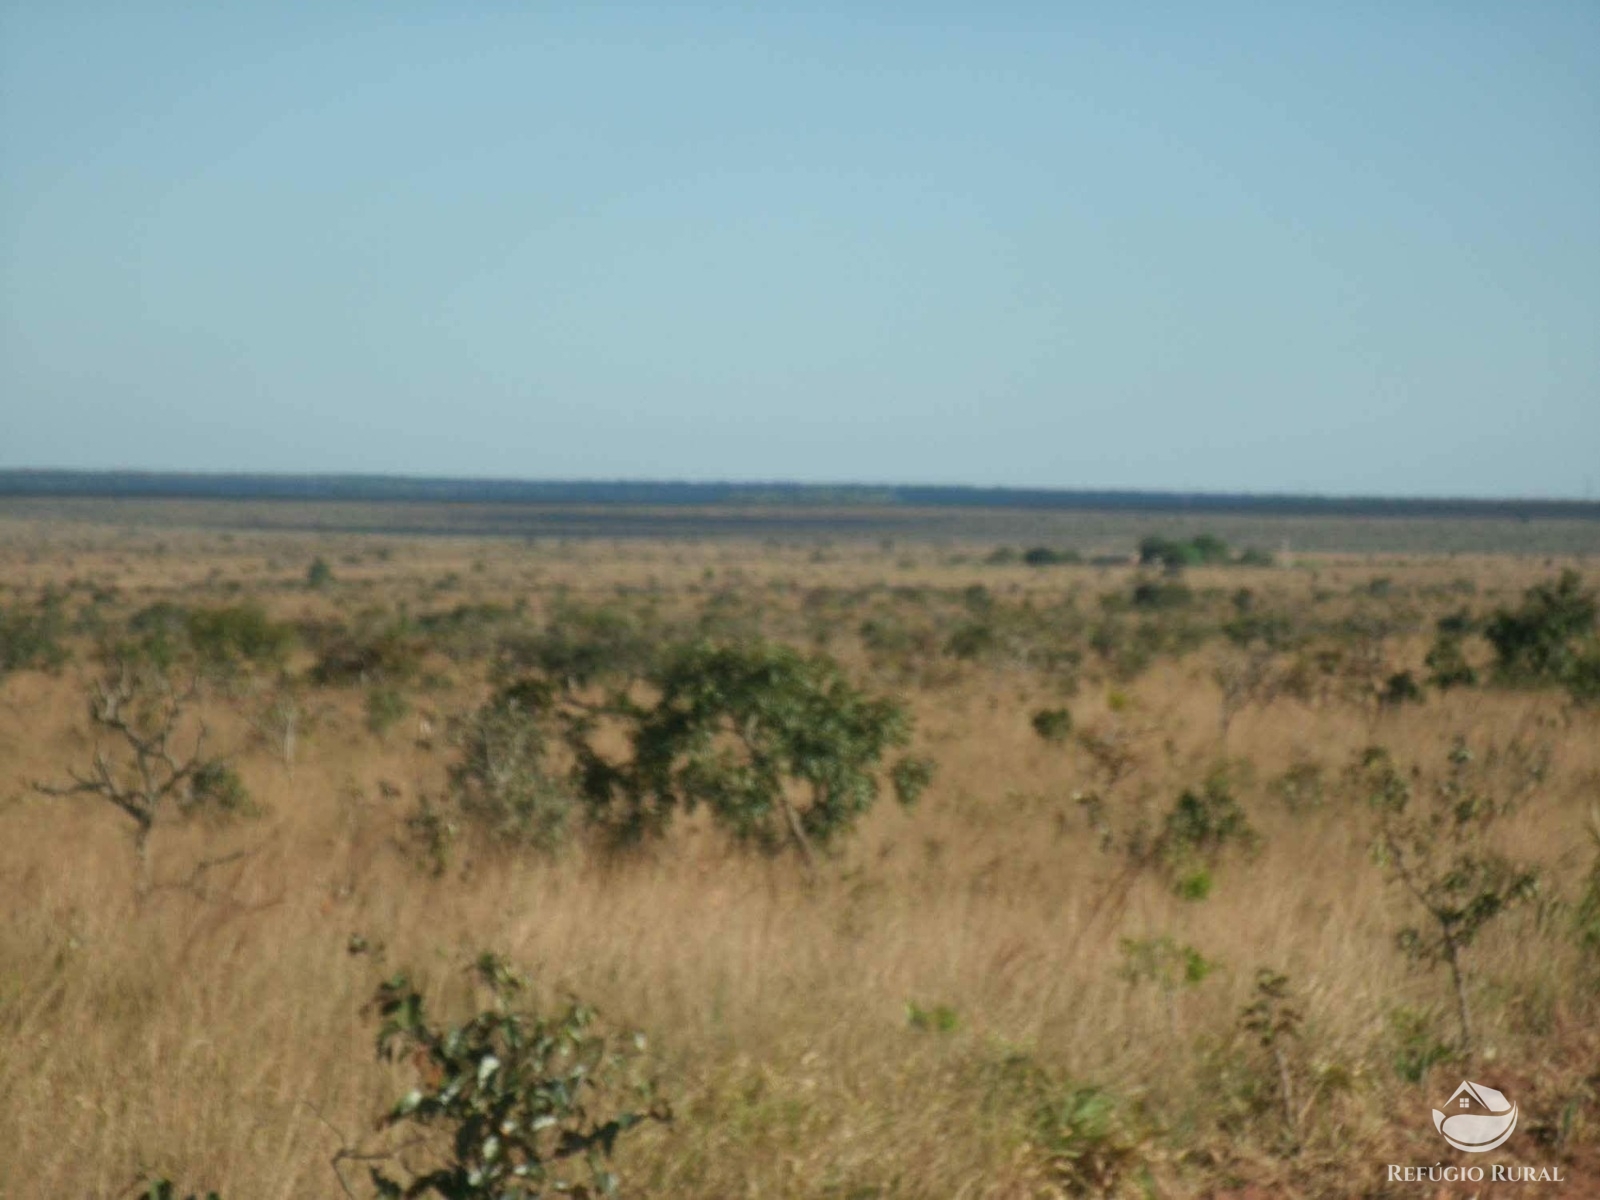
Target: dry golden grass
point(215, 1033)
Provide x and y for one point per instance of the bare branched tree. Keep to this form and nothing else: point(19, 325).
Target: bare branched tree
point(141, 775)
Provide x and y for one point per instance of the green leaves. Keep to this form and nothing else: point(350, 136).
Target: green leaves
point(513, 1096)
point(779, 747)
point(1434, 841)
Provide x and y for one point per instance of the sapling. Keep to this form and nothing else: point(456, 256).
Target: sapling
point(1434, 842)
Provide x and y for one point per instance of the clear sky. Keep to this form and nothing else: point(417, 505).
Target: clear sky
point(1337, 247)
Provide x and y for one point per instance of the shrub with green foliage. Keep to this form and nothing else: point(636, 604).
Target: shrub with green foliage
point(1400, 689)
point(31, 638)
point(1550, 637)
point(511, 1104)
point(1447, 660)
point(501, 784)
point(1090, 1142)
point(1200, 828)
point(781, 749)
point(1174, 554)
point(579, 646)
point(1435, 843)
point(1054, 725)
point(227, 638)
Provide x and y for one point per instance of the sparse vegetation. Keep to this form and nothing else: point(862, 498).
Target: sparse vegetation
point(1038, 981)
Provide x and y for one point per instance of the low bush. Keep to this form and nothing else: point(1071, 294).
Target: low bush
point(511, 1104)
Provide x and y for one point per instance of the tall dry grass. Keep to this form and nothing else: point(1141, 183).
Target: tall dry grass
point(214, 1033)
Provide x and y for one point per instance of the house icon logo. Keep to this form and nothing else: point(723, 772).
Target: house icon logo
point(1476, 1118)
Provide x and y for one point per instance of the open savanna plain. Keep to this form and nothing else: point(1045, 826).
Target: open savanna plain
point(1143, 932)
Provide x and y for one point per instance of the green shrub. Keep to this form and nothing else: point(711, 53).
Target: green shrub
point(511, 1104)
point(585, 645)
point(32, 638)
point(1201, 826)
point(215, 787)
point(1054, 725)
point(781, 749)
point(1173, 554)
point(319, 574)
point(223, 639)
point(939, 1018)
point(1399, 689)
point(1089, 1142)
point(500, 785)
point(1544, 640)
point(1447, 661)
point(1435, 842)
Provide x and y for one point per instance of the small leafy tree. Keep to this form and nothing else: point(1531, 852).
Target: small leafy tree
point(511, 1102)
point(1435, 843)
point(1201, 826)
point(780, 747)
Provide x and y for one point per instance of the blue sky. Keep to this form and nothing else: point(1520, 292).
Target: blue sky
point(1337, 248)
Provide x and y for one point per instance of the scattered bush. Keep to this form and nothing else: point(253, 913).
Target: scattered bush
point(319, 575)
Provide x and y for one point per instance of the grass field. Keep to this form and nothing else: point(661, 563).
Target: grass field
point(993, 993)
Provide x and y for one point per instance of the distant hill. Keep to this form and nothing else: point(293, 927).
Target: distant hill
point(397, 488)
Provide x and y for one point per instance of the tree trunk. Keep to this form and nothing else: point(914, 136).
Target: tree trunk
point(798, 833)
point(141, 849)
point(1286, 1086)
point(1463, 1012)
